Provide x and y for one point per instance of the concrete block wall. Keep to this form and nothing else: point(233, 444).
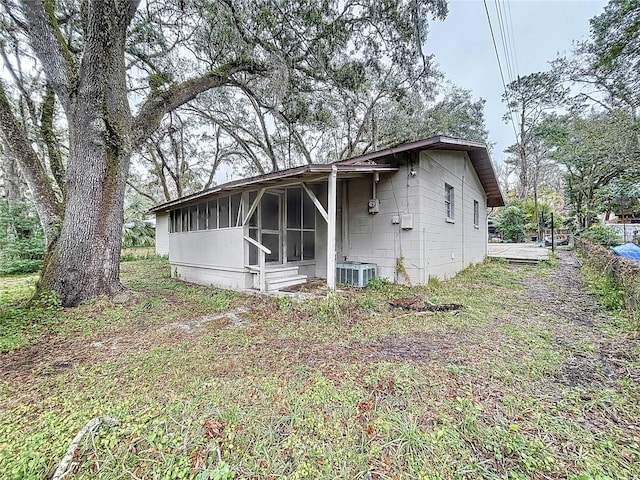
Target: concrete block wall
point(162, 233)
point(434, 246)
point(375, 238)
point(450, 246)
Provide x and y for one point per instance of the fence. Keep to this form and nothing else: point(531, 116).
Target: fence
point(624, 273)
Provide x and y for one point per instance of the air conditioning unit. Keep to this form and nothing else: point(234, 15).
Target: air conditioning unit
point(355, 274)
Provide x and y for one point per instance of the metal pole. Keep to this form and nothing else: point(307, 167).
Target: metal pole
point(553, 235)
point(331, 229)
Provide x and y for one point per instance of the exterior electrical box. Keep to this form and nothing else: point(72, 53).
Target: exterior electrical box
point(374, 205)
point(406, 221)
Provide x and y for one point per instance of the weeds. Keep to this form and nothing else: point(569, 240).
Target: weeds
point(336, 387)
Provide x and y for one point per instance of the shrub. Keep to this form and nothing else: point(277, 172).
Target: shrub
point(510, 223)
point(21, 238)
point(601, 235)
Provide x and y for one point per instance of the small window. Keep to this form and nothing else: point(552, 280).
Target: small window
point(476, 213)
point(448, 201)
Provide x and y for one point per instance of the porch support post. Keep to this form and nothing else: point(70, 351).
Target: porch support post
point(331, 229)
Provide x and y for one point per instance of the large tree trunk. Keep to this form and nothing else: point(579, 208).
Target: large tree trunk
point(85, 260)
point(83, 254)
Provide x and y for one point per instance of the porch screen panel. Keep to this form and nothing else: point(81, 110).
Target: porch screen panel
point(301, 223)
point(202, 216)
point(272, 242)
point(308, 245)
point(236, 200)
point(294, 215)
point(193, 217)
point(212, 221)
point(294, 246)
point(172, 221)
point(308, 213)
point(185, 219)
point(269, 207)
point(253, 251)
point(253, 221)
point(223, 212)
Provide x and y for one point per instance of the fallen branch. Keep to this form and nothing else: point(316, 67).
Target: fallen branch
point(90, 427)
point(420, 305)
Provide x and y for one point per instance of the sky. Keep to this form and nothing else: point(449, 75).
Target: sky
point(541, 30)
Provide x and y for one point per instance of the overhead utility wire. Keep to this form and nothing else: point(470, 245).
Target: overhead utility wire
point(509, 52)
point(495, 47)
point(512, 38)
point(503, 39)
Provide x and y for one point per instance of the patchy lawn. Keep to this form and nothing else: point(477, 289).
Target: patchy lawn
point(530, 379)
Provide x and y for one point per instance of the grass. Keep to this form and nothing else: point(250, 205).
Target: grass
point(340, 386)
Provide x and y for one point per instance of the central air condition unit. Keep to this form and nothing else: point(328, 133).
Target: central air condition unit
point(355, 274)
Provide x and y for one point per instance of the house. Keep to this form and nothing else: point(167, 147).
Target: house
point(406, 213)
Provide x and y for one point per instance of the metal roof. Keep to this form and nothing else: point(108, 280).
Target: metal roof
point(367, 163)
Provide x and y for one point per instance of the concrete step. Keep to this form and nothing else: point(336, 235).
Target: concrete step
point(278, 283)
point(523, 261)
point(279, 271)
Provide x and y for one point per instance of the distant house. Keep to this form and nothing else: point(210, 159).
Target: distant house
point(626, 225)
point(406, 213)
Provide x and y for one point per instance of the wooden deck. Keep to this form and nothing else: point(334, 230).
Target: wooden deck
point(518, 252)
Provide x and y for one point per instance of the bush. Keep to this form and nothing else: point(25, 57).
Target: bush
point(510, 223)
point(601, 235)
point(21, 238)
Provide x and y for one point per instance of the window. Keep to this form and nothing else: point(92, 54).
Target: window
point(448, 201)
point(476, 213)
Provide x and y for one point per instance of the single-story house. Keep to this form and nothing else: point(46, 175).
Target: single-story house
point(406, 213)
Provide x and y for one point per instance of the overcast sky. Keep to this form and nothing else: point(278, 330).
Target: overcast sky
point(541, 30)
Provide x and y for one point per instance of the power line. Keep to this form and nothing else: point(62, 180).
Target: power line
point(505, 46)
point(495, 47)
point(512, 38)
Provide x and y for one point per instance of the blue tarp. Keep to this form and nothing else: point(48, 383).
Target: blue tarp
point(628, 250)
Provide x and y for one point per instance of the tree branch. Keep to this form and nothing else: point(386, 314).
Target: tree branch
point(49, 137)
point(49, 208)
point(50, 47)
point(142, 192)
point(156, 106)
